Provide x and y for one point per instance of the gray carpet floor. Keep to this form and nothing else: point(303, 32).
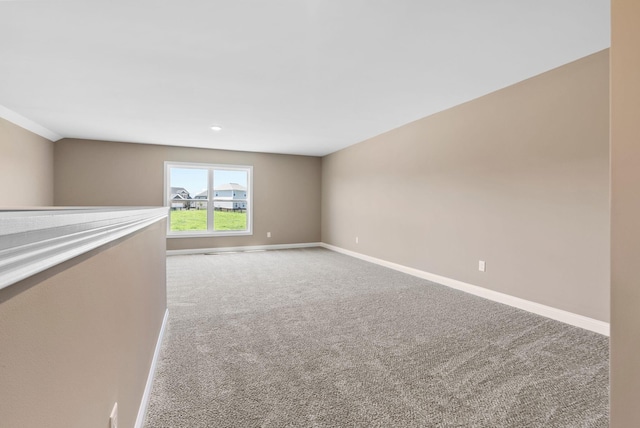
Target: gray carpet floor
point(313, 338)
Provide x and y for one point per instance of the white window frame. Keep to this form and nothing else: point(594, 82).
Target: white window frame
point(210, 206)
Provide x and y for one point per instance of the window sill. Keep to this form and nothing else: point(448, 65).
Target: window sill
point(207, 234)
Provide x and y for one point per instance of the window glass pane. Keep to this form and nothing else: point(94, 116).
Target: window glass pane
point(194, 218)
point(230, 196)
point(223, 208)
point(186, 184)
point(229, 219)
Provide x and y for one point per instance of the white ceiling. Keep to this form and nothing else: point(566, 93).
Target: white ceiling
point(283, 76)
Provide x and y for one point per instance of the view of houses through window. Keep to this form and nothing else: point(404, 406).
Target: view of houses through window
point(208, 199)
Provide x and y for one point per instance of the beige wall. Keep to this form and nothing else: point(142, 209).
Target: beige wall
point(625, 213)
point(518, 178)
point(26, 167)
point(79, 337)
point(286, 188)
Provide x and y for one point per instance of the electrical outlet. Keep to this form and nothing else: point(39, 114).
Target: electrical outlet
point(356, 239)
point(113, 419)
point(268, 234)
point(482, 266)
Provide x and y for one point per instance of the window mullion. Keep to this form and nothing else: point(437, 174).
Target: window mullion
point(210, 210)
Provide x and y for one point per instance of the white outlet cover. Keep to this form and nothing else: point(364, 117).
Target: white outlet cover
point(482, 266)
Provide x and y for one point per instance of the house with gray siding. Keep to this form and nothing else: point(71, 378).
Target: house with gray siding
point(230, 196)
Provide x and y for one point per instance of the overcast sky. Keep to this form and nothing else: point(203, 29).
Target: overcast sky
point(195, 180)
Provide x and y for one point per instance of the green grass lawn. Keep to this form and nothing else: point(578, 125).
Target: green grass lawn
point(197, 220)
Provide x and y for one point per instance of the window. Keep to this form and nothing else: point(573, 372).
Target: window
point(208, 200)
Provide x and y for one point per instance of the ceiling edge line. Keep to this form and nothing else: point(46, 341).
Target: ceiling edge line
point(28, 124)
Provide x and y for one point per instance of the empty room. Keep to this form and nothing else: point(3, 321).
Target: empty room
point(319, 214)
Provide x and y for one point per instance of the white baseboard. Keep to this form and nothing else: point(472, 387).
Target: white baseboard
point(245, 248)
point(142, 410)
point(576, 320)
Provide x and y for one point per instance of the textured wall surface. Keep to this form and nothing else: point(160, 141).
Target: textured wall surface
point(625, 213)
point(518, 178)
point(286, 189)
point(79, 337)
point(26, 167)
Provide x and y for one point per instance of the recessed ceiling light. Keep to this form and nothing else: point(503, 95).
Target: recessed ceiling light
point(216, 128)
